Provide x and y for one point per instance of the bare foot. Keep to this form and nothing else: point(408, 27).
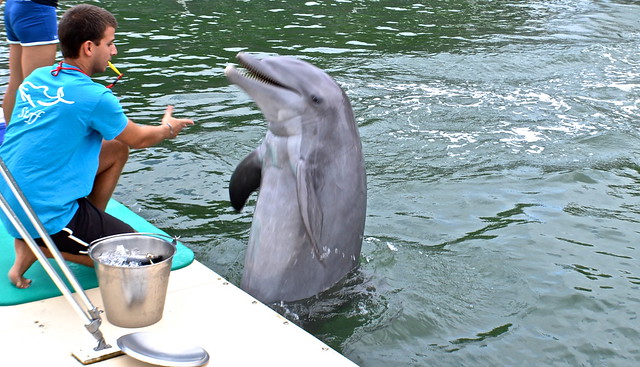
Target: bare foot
point(18, 280)
point(24, 259)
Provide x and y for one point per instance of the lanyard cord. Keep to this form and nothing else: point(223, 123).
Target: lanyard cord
point(56, 71)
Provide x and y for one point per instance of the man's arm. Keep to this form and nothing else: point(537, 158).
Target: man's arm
point(143, 136)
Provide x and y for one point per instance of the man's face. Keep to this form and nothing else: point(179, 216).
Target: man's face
point(105, 50)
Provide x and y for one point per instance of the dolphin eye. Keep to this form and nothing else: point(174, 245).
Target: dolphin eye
point(316, 99)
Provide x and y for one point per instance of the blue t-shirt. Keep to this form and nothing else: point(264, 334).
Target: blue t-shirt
point(53, 142)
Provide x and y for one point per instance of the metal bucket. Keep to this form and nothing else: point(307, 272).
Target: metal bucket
point(133, 296)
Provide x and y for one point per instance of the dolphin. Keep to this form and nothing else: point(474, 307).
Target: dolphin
point(308, 223)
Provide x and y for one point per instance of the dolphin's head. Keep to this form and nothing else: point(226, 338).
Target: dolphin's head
point(290, 92)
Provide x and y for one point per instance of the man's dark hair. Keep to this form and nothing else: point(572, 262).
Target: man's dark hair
point(80, 24)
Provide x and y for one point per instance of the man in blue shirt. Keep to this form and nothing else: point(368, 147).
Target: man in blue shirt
point(69, 140)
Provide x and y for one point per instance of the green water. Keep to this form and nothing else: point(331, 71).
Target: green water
point(501, 140)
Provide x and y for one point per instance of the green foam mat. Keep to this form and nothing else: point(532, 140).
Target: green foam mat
point(43, 287)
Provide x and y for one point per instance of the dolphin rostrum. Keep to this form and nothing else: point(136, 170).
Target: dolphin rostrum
point(309, 218)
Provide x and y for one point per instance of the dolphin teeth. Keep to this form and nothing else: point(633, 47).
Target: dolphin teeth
point(256, 75)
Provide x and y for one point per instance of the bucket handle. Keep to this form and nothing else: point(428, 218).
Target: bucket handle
point(174, 239)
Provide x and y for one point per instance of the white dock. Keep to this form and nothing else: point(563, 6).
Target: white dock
point(201, 308)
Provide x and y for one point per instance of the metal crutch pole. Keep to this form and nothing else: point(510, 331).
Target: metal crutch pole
point(92, 314)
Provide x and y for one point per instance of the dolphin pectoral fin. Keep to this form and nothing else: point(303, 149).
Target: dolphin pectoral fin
point(310, 209)
point(245, 180)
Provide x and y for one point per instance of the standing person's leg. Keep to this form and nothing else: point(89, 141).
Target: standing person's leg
point(15, 78)
point(34, 57)
point(32, 32)
point(113, 157)
point(22, 61)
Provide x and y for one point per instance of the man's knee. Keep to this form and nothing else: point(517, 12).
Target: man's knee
point(115, 151)
point(122, 151)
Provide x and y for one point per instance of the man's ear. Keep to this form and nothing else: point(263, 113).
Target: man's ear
point(87, 48)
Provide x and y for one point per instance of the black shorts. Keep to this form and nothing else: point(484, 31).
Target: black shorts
point(88, 224)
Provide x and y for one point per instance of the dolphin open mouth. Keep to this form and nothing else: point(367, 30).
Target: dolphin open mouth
point(258, 75)
point(255, 70)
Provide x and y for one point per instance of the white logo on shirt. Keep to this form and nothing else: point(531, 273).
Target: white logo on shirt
point(38, 96)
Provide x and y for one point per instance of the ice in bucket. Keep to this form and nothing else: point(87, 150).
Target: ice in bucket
point(133, 273)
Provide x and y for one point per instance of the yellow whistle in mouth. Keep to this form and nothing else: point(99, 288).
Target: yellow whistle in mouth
point(113, 68)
